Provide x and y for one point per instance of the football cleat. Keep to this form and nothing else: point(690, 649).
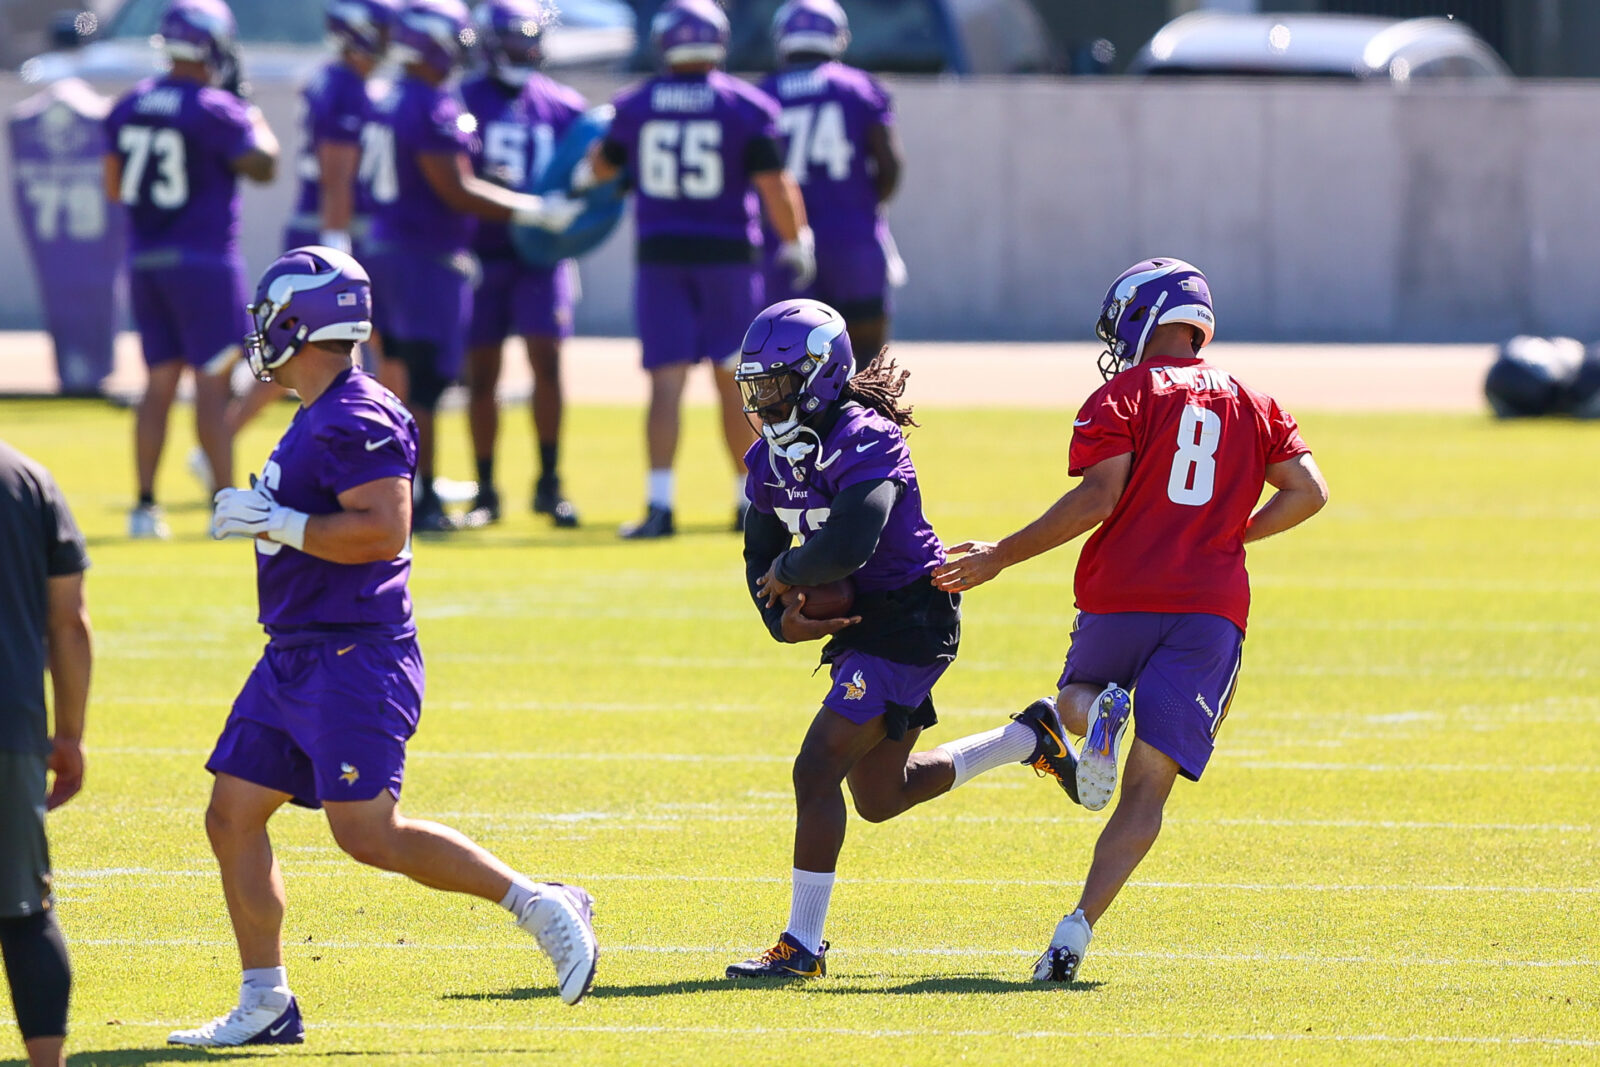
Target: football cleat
point(561, 917)
point(1052, 756)
point(261, 1018)
point(657, 522)
point(431, 517)
point(1062, 959)
point(1097, 759)
point(548, 499)
point(787, 959)
point(485, 509)
point(147, 522)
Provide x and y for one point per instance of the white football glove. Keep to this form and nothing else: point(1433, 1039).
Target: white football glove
point(252, 513)
point(800, 256)
point(552, 212)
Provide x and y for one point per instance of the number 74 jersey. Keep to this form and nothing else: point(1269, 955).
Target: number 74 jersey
point(1201, 443)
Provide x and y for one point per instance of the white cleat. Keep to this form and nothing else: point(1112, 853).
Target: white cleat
point(1097, 759)
point(561, 918)
point(147, 522)
point(200, 467)
point(1061, 960)
point(263, 1017)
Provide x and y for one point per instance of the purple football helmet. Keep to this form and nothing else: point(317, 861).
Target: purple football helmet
point(198, 31)
point(509, 33)
point(1145, 296)
point(793, 365)
point(435, 33)
point(690, 31)
point(309, 294)
point(361, 25)
point(810, 27)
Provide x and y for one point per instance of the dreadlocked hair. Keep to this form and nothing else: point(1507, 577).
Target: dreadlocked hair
point(879, 386)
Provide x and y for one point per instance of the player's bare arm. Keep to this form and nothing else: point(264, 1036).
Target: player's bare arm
point(372, 524)
point(1301, 493)
point(71, 658)
point(260, 163)
point(780, 199)
point(1083, 508)
point(883, 144)
point(451, 178)
point(337, 164)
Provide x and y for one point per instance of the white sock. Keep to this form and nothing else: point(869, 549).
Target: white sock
point(740, 501)
point(265, 979)
point(974, 755)
point(808, 907)
point(518, 895)
point(659, 488)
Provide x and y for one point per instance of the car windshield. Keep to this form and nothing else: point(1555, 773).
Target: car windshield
point(887, 35)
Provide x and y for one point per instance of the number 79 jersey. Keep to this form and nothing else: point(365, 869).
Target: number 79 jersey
point(1201, 443)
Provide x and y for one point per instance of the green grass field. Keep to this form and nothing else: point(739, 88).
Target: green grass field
point(1392, 859)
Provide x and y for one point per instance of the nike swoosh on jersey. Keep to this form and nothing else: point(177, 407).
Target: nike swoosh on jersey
point(869, 444)
point(1081, 422)
point(342, 651)
point(373, 446)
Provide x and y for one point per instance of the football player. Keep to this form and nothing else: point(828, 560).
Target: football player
point(177, 147)
point(330, 209)
point(838, 129)
point(521, 116)
point(324, 718)
point(831, 471)
point(417, 163)
point(698, 147)
point(1174, 454)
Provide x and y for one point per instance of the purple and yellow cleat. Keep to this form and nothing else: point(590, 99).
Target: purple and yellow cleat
point(787, 959)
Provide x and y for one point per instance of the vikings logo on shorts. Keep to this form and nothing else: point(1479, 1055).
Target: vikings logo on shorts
point(348, 774)
point(856, 687)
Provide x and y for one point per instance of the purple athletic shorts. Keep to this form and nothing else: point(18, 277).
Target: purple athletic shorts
point(423, 297)
point(692, 311)
point(515, 298)
point(1182, 669)
point(189, 311)
point(325, 719)
point(852, 277)
point(865, 687)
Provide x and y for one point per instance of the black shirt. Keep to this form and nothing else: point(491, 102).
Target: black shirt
point(38, 541)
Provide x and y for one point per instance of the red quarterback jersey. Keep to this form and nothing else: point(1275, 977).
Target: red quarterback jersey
point(1201, 444)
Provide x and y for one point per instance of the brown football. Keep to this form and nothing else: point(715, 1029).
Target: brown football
point(831, 601)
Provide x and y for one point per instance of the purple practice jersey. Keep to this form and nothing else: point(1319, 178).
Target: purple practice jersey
point(862, 446)
point(415, 119)
point(354, 433)
point(517, 134)
point(689, 144)
point(177, 140)
point(336, 108)
point(827, 112)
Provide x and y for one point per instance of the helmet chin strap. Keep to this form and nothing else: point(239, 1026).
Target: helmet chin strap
point(787, 443)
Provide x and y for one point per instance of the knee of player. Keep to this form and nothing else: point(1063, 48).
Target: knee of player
point(875, 808)
point(363, 845)
point(816, 771)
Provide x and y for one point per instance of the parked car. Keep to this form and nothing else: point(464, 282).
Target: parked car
point(1318, 46)
point(282, 40)
point(896, 36)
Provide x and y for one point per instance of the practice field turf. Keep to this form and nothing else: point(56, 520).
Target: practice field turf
point(1392, 859)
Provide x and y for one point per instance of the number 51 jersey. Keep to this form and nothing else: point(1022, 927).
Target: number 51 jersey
point(1201, 443)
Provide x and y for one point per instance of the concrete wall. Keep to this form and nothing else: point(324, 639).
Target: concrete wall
point(1320, 212)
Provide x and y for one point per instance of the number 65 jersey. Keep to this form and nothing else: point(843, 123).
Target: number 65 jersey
point(1201, 443)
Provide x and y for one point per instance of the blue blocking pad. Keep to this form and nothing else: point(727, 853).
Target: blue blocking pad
point(604, 202)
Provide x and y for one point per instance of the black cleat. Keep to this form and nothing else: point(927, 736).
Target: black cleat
point(430, 516)
point(485, 510)
point(657, 522)
point(788, 959)
point(1052, 755)
point(549, 500)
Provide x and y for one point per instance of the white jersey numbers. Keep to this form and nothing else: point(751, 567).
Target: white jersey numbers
point(816, 136)
point(681, 159)
point(161, 147)
point(505, 149)
point(378, 172)
point(1194, 465)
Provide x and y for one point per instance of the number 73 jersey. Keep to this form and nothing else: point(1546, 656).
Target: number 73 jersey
point(1201, 443)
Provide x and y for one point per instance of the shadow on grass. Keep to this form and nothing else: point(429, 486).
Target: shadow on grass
point(602, 992)
point(960, 983)
point(133, 1057)
point(838, 987)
